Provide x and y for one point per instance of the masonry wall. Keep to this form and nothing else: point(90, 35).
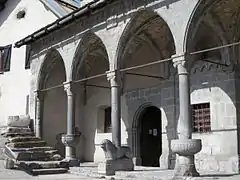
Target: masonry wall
point(220, 146)
point(15, 85)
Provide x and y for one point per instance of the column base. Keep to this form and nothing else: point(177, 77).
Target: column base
point(185, 148)
point(109, 167)
point(72, 162)
point(185, 167)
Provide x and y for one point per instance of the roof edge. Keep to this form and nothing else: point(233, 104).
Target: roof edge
point(96, 4)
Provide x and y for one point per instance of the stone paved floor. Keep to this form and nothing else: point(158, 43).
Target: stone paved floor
point(88, 172)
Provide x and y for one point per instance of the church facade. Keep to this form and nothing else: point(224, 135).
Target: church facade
point(140, 73)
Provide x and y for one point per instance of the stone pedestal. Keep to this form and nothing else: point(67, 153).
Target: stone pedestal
point(117, 158)
point(70, 141)
point(186, 149)
point(111, 166)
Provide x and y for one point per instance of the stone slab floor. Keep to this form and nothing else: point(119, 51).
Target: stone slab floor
point(88, 171)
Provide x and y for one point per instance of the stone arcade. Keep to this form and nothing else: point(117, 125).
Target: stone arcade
point(81, 67)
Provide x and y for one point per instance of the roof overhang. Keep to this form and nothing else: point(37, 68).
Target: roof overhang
point(2, 4)
point(61, 22)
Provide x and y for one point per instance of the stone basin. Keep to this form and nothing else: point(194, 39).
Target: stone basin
point(186, 147)
point(70, 139)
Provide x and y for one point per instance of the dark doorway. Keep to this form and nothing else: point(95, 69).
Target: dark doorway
point(151, 137)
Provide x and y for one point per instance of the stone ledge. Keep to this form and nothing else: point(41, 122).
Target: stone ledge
point(111, 166)
point(215, 164)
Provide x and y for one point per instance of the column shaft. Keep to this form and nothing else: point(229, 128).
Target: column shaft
point(70, 150)
point(39, 105)
point(184, 102)
point(70, 115)
point(116, 108)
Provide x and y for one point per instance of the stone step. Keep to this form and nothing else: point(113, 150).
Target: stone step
point(17, 134)
point(26, 144)
point(37, 156)
point(33, 149)
point(43, 164)
point(21, 130)
point(23, 139)
point(49, 171)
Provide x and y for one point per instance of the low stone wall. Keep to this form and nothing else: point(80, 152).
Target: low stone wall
point(222, 164)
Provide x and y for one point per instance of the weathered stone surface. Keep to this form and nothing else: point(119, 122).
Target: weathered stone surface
point(44, 164)
point(32, 156)
point(27, 144)
point(49, 171)
point(17, 134)
point(23, 139)
point(111, 166)
point(16, 130)
point(8, 163)
point(186, 147)
point(18, 121)
point(34, 149)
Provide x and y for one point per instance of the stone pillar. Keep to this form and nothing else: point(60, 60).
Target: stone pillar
point(185, 147)
point(70, 139)
point(38, 112)
point(113, 77)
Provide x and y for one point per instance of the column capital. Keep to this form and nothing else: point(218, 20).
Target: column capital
point(113, 77)
point(68, 87)
point(38, 94)
point(179, 60)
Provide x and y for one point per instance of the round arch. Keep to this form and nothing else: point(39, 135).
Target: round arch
point(52, 60)
point(89, 45)
point(138, 24)
point(138, 128)
point(221, 17)
point(90, 59)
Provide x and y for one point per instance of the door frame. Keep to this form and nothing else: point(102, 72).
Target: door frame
point(136, 132)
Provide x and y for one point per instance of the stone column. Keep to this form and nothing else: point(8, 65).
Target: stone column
point(113, 77)
point(70, 139)
point(185, 147)
point(38, 112)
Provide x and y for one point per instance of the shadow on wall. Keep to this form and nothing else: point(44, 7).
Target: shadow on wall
point(9, 8)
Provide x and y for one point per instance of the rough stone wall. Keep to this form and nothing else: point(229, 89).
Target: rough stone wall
point(220, 146)
point(163, 97)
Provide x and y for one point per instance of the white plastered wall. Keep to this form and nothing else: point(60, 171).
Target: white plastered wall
point(15, 85)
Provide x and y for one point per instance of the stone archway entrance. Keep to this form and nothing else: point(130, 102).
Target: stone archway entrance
point(150, 136)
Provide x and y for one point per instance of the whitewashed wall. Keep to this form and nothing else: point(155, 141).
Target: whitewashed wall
point(15, 85)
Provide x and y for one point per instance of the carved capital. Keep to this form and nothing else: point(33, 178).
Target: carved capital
point(178, 60)
point(68, 87)
point(113, 77)
point(39, 95)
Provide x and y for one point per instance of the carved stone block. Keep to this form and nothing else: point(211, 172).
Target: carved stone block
point(18, 121)
point(111, 166)
point(186, 147)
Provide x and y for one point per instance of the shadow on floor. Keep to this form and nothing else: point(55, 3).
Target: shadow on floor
point(219, 175)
